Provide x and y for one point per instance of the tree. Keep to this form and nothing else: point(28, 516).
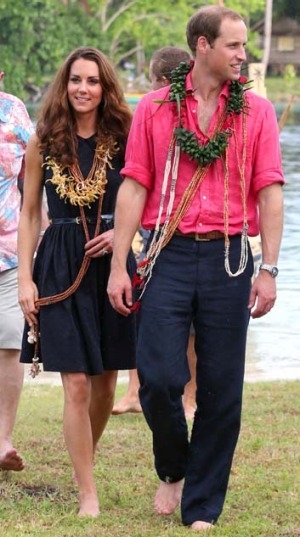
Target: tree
point(267, 33)
point(36, 35)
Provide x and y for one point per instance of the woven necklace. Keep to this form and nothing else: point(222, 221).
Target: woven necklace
point(214, 148)
point(186, 141)
point(72, 186)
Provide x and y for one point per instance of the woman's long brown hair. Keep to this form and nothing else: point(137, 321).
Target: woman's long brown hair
point(56, 123)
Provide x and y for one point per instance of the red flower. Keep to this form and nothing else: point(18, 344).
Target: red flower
point(243, 79)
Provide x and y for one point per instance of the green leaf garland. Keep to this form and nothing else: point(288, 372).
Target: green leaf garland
point(190, 145)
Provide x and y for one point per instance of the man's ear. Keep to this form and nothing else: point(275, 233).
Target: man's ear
point(202, 44)
point(165, 81)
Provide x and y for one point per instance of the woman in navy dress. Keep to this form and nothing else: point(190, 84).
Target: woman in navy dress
point(76, 155)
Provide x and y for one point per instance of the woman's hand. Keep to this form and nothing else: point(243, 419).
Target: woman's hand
point(28, 294)
point(100, 245)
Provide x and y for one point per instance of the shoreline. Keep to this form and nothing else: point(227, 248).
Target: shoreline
point(252, 375)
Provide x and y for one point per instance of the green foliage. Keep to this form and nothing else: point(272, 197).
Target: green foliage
point(286, 8)
point(289, 73)
point(37, 35)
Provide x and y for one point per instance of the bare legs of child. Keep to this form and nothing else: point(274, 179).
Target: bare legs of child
point(130, 401)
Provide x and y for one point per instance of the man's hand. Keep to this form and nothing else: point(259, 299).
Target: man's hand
point(263, 294)
point(119, 290)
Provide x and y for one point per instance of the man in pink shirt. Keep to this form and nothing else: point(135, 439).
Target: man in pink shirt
point(203, 171)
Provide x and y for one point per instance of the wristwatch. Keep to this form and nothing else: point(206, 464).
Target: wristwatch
point(270, 268)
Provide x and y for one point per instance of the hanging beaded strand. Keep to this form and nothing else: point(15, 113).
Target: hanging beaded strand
point(244, 237)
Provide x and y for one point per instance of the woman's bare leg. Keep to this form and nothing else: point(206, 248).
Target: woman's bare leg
point(79, 438)
point(102, 400)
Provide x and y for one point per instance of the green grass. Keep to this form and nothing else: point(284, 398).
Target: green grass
point(262, 500)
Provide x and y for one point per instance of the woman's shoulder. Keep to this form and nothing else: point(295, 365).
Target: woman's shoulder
point(33, 148)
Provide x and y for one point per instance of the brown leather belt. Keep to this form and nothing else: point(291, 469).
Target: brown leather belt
point(209, 236)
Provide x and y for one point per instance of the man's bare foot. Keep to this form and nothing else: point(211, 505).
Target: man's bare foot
point(89, 505)
point(11, 460)
point(167, 497)
point(200, 525)
point(127, 404)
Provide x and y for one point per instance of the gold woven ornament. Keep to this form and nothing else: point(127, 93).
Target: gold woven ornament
point(73, 187)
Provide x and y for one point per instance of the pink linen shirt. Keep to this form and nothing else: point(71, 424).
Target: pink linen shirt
point(148, 145)
point(15, 130)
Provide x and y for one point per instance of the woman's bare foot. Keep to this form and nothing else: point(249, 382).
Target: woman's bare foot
point(11, 460)
point(127, 404)
point(200, 525)
point(88, 504)
point(167, 497)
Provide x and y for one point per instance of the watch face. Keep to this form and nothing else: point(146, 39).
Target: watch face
point(274, 272)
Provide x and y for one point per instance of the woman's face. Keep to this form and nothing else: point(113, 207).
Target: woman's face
point(84, 88)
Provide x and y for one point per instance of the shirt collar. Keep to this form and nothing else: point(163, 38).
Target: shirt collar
point(224, 93)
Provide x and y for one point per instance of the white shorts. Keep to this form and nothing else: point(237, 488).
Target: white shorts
point(11, 316)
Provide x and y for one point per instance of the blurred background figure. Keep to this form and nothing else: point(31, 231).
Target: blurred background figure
point(15, 130)
point(162, 63)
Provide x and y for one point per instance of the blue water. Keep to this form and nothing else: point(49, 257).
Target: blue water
point(274, 340)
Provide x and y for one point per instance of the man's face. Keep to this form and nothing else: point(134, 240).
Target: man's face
point(226, 55)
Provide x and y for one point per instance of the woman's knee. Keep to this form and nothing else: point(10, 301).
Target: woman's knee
point(104, 386)
point(77, 388)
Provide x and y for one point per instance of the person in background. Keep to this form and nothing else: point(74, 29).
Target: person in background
point(162, 63)
point(15, 130)
point(76, 154)
point(202, 170)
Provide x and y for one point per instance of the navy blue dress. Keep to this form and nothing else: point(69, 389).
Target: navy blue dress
point(82, 333)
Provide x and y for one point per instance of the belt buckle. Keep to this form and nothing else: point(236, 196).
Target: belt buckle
point(78, 220)
point(199, 237)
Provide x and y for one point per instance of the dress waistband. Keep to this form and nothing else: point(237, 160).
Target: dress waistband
point(78, 219)
point(209, 236)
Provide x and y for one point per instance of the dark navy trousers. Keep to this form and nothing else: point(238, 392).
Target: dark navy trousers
point(189, 283)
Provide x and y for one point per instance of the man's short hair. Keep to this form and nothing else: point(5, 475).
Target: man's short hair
point(207, 22)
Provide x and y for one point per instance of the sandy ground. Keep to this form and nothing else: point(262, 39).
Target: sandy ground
point(252, 374)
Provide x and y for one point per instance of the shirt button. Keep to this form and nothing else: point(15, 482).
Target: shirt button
point(204, 197)
point(200, 223)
